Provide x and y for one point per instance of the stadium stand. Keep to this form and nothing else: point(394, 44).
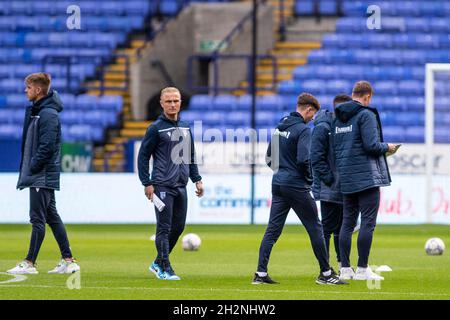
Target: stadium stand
point(412, 33)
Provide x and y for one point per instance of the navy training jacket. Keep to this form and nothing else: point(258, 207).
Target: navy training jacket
point(288, 153)
point(359, 149)
point(40, 164)
point(326, 179)
point(162, 139)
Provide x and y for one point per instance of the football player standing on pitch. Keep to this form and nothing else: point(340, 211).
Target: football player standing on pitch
point(326, 187)
point(360, 155)
point(169, 141)
point(40, 170)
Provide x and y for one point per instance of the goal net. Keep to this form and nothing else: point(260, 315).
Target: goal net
point(437, 142)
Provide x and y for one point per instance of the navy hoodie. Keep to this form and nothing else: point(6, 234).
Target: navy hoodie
point(41, 144)
point(288, 153)
point(326, 180)
point(359, 148)
point(160, 141)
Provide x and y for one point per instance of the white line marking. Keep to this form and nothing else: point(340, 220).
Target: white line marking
point(241, 290)
point(17, 278)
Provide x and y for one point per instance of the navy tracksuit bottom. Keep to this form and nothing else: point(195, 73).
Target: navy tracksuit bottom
point(283, 199)
point(42, 211)
point(170, 222)
point(332, 214)
point(367, 202)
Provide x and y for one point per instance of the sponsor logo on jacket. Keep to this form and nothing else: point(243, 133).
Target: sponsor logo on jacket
point(344, 129)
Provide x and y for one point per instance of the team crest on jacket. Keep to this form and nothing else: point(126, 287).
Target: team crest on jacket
point(162, 195)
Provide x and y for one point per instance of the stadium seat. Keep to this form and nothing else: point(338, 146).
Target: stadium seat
point(225, 103)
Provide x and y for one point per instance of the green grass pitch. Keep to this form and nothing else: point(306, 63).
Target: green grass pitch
point(114, 261)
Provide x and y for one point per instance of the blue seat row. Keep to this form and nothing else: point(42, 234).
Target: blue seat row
point(14, 55)
point(61, 39)
point(99, 117)
point(394, 25)
point(36, 23)
point(70, 102)
point(382, 57)
point(353, 72)
point(16, 85)
point(319, 86)
point(387, 41)
point(230, 102)
point(398, 8)
point(79, 71)
point(130, 7)
point(232, 118)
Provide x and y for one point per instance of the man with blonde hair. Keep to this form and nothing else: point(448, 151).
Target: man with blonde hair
point(169, 141)
point(40, 171)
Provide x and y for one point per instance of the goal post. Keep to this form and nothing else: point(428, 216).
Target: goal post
point(431, 71)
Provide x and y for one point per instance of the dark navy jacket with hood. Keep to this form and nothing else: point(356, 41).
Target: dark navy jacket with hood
point(326, 180)
point(288, 153)
point(163, 138)
point(41, 144)
point(359, 148)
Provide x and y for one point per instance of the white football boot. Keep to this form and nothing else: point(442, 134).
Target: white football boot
point(23, 268)
point(366, 274)
point(65, 267)
point(346, 274)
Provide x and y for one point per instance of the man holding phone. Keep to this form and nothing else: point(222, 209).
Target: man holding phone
point(360, 155)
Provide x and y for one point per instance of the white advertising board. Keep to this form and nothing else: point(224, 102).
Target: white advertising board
point(119, 198)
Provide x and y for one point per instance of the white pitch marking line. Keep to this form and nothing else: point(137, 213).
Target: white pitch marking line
point(373, 292)
point(17, 278)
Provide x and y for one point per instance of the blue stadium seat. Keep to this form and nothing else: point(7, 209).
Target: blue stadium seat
point(328, 7)
point(270, 103)
point(225, 102)
point(114, 103)
point(338, 86)
point(288, 87)
point(410, 118)
point(212, 118)
point(10, 131)
point(169, 7)
point(394, 133)
point(201, 102)
point(385, 87)
point(410, 87)
point(69, 117)
point(304, 7)
point(266, 118)
point(17, 101)
point(415, 134)
point(87, 102)
point(313, 86)
point(237, 119)
point(441, 135)
point(191, 116)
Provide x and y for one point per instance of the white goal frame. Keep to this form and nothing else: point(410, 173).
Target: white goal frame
point(430, 69)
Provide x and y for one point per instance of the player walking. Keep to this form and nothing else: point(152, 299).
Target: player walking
point(40, 171)
point(289, 157)
point(169, 141)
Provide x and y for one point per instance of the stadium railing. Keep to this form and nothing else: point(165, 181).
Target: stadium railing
point(102, 62)
point(215, 58)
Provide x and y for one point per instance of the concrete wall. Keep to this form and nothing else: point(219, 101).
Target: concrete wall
point(232, 72)
point(183, 37)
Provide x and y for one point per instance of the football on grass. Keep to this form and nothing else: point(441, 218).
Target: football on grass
point(191, 242)
point(434, 247)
